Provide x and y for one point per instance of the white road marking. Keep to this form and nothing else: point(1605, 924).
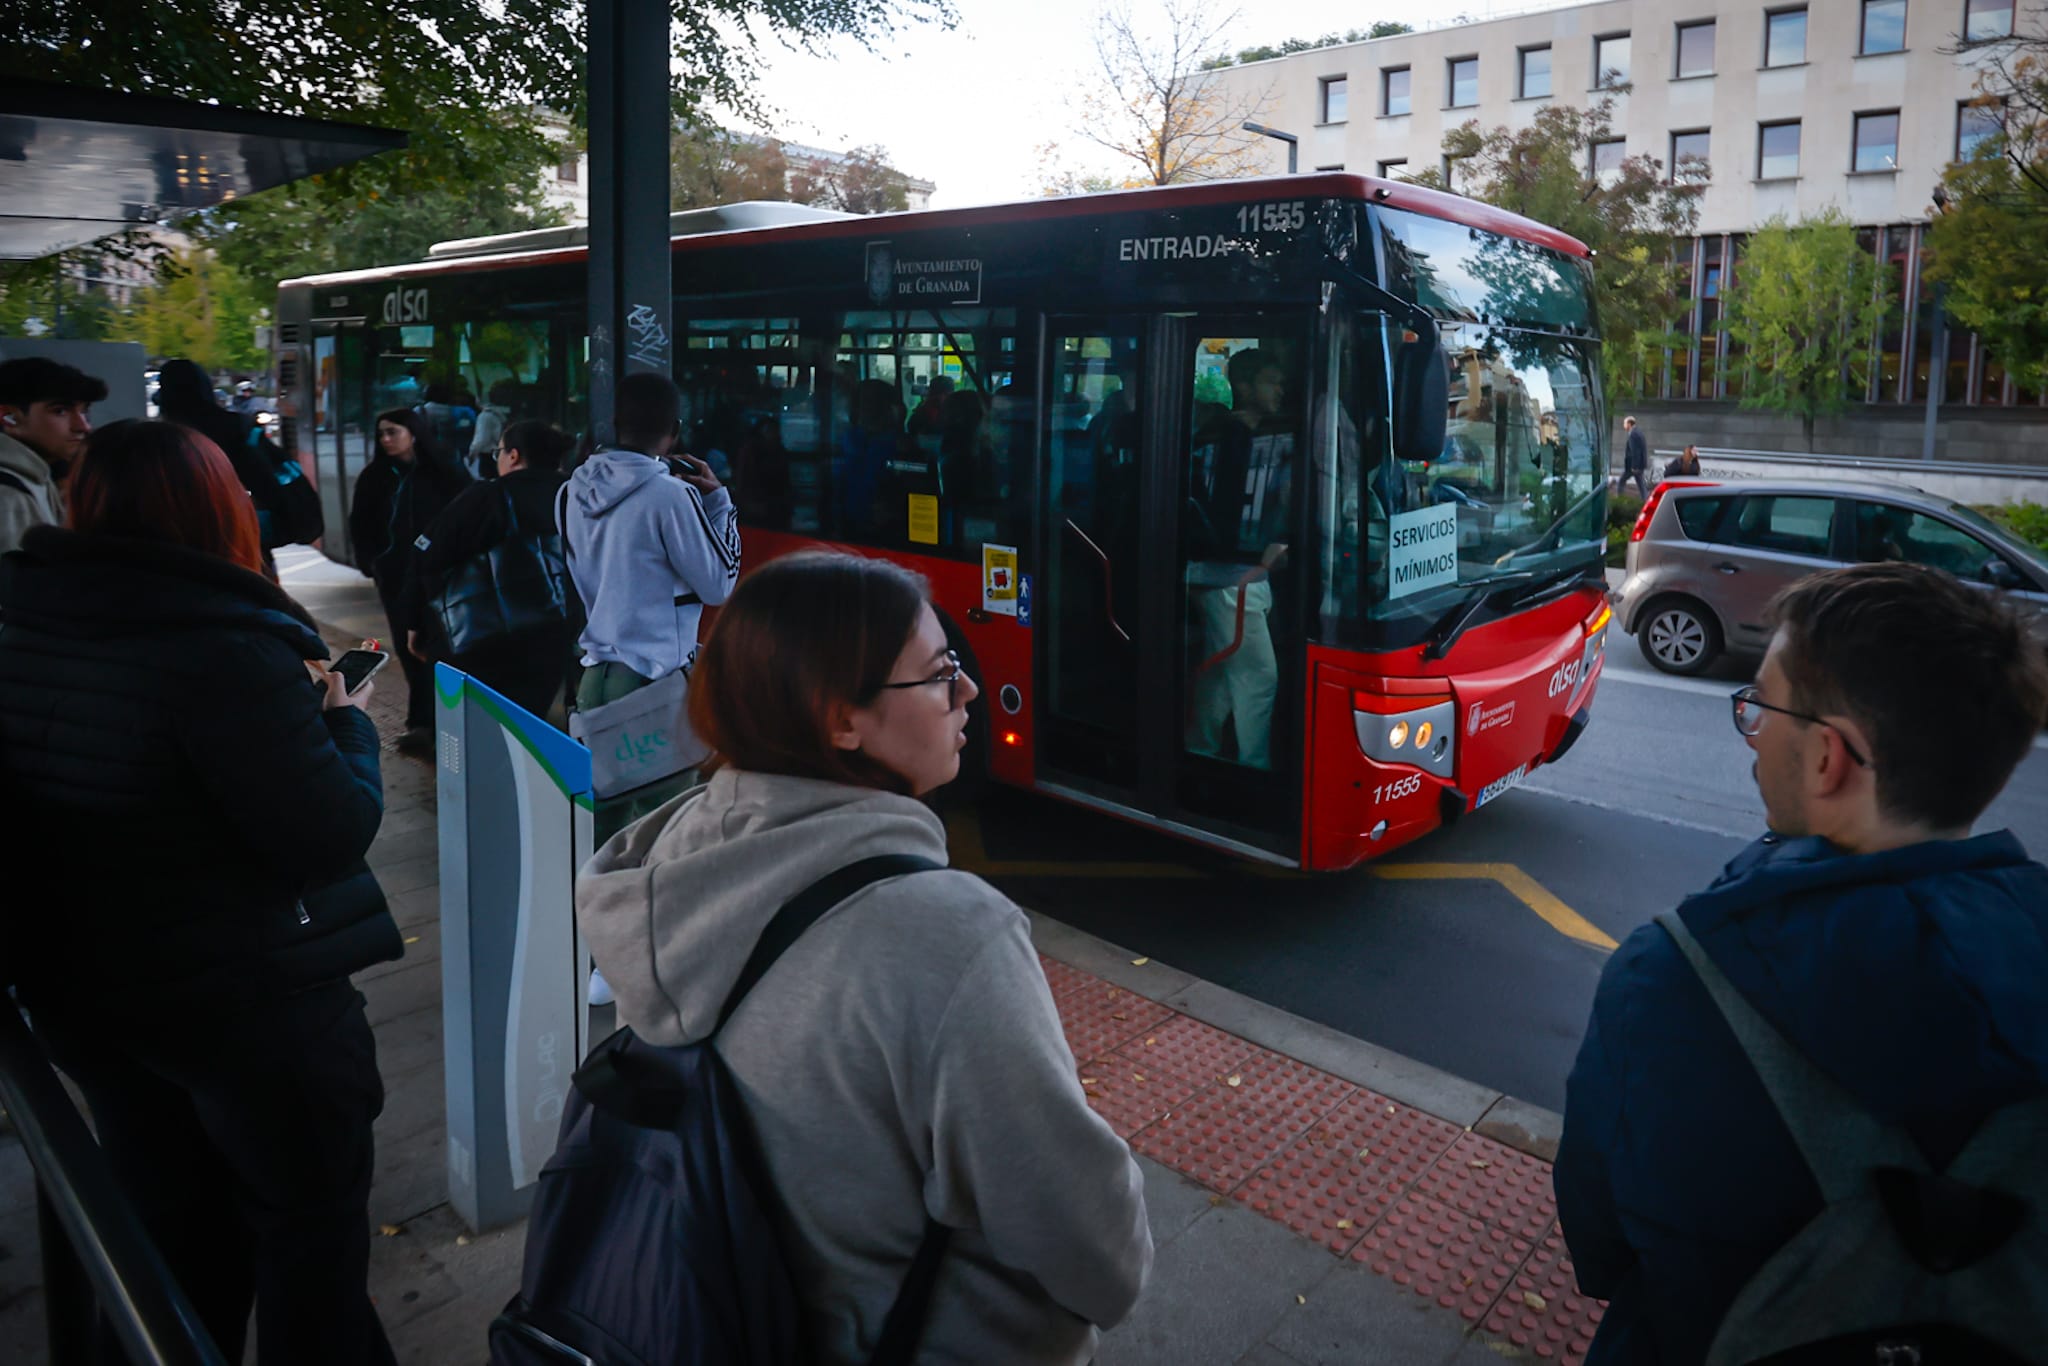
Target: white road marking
point(1699, 687)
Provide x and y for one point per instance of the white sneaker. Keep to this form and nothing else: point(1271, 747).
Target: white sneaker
point(600, 990)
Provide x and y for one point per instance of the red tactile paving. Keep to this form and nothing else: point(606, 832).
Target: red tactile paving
point(1099, 1017)
point(1226, 1132)
point(1336, 1181)
point(1129, 1095)
point(1063, 979)
point(1447, 1258)
point(1496, 1184)
point(1190, 1050)
point(1542, 1311)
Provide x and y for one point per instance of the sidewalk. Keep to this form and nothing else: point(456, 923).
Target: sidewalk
point(1313, 1198)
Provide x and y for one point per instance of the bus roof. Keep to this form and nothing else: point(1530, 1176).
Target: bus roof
point(1392, 193)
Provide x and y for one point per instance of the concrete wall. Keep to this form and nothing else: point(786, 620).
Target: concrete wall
point(120, 364)
point(1990, 436)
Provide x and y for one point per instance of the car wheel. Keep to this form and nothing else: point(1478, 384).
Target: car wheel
point(1679, 636)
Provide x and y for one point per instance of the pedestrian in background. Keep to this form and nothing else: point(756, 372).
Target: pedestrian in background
point(1686, 465)
point(405, 487)
point(526, 665)
point(185, 395)
point(909, 1035)
point(1635, 458)
point(209, 803)
point(45, 417)
point(1902, 957)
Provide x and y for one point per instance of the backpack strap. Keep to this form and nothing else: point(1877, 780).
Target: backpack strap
point(1840, 1140)
point(806, 908)
point(10, 480)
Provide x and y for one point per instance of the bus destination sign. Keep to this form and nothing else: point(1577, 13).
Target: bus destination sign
point(1245, 231)
point(921, 281)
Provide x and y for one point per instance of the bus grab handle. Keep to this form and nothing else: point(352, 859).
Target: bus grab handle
point(1108, 571)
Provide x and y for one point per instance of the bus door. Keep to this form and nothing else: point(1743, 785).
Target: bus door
point(342, 429)
point(1170, 643)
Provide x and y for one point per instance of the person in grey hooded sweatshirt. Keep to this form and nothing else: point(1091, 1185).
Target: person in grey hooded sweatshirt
point(903, 1058)
point(648, 552)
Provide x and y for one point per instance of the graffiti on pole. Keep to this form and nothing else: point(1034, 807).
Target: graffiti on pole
point(648, 338)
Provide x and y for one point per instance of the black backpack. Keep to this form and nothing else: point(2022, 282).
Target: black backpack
point(289, 511)
point(650, 1241)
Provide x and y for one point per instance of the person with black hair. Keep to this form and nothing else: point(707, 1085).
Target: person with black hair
point(45, 417)
point(401, 492)
point(185, 396)
point(529, 666)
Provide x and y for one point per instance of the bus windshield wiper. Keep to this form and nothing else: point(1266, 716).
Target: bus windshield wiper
point(1452, 624)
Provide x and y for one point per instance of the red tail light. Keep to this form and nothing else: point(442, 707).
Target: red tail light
point(1642, 526)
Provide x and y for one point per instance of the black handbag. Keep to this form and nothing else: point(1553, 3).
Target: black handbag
point(520, 584)
point(289, 513)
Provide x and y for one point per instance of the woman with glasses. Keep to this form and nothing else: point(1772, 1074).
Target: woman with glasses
point(902, 1061)
point(527, 664)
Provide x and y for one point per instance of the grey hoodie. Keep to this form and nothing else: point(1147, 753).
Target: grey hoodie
point(38, 502)
point(639, 540)
point(903, 1057)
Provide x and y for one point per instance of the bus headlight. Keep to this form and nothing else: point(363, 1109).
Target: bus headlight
point(1407, 730)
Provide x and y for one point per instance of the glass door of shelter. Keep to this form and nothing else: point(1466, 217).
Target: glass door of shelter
point(1169, 634)
point(342, 429)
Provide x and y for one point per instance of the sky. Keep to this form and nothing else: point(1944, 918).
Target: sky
point(969, 108)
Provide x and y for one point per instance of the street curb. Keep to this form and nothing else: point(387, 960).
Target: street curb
point(1493, 1114)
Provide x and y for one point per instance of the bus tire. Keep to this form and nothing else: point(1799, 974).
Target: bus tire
point(1679, 635)
point(973, 777)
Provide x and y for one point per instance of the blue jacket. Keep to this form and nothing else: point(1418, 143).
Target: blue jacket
point(648, 553)
point(1914, 977)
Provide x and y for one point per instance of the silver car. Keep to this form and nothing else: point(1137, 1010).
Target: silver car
point(1705, 559)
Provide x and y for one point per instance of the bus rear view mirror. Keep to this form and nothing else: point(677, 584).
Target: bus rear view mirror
point(1422, 396)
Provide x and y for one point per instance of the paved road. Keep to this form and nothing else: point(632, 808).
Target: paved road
point(1459, 974)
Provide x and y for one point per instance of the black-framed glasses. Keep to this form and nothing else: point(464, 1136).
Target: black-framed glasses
point(950, 677)
point(1749, 708)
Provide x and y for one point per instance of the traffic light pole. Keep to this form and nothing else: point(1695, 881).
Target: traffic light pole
point(630, 309)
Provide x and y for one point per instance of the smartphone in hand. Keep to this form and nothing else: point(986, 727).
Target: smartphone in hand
point(357, 667)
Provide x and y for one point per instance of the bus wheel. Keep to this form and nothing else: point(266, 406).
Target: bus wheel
point(1679, 636)
point(968, 787)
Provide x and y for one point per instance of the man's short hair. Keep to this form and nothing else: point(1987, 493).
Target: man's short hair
point(645, 408)
point(1243, 368)
point(1629, 421)
point(38, 379)
point(1945, 680)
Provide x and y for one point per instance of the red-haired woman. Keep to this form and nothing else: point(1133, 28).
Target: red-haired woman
point(209, 799)
point(902, 1060)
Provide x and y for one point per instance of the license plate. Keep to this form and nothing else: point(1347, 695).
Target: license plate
point(1500, 785)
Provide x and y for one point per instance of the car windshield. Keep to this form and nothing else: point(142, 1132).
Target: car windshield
point(1999, 536)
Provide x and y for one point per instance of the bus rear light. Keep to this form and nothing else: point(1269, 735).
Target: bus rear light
point(1394, 730)
point(1012, 739)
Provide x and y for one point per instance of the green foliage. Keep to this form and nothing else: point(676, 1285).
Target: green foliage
point(1622, 510)
point(709, 165)
point(1807, 306)
point(1385, 28)
point(862, 181)
point(1629, 217)
point(203, 309)
point(2028, 521)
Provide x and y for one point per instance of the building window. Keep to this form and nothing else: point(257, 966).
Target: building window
point(1610, 61)
point(1607, 159)
point(1689, 157)
point(1336, 98)
point(1454, 174)
point(1696, 49)
point(1985, 19)
point(1397, 169)
point(1777, 151)
point(1976, 121)
point(1785, 38)
point(1877, 141)
point(1394, 86)
point(1535, 80)
point(1884, 26)
point(566, 172)
point(1464, 73)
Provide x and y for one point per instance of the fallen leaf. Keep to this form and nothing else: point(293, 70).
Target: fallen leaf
point(1139, 962)
point(412, 939)
point(1301, 1299)
point(1479, 1162)
point(1364, 1153)
point(462, 1240)
point(1118, 1015)
point(1089, 1081)
point(1466, 1277)
point(390, 1230)
point(1233, 1080)
point(1215, 1199)
point(1535, 1301)
point(1390, 1109)
point(1137, 1076)
point(1150, 1042)
point(1343, 1223)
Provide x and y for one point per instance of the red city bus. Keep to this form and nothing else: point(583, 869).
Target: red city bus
point(1269, 513)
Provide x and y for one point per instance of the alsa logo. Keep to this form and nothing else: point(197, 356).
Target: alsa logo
point(405, 306)
point(1482, 717)
point(1566, 677)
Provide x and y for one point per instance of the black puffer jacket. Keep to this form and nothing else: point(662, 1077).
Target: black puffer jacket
point(394, 502)
point(166, 766)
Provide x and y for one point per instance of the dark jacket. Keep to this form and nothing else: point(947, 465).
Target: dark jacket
point(166, 768)
point(1635, 452)
point(394, 503)
point(1912, 977)
point(475, 520)
point(185, 396)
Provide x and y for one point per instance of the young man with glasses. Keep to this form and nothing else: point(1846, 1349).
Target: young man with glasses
point(1902, 956)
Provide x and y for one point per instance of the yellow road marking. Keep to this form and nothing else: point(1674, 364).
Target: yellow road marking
point(1520, 885)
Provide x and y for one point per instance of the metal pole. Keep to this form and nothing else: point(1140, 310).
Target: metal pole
point(1937, 369)
point(1293, 142)
point(630, 299)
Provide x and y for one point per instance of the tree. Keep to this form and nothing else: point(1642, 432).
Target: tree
point(1150, 106)
point(1385, 28)
point(1806, 307)
point(1992, 214)
point(710, 165)
point(860, 181)
point(1628, 214)
point(200, 308)
point(466, 78)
